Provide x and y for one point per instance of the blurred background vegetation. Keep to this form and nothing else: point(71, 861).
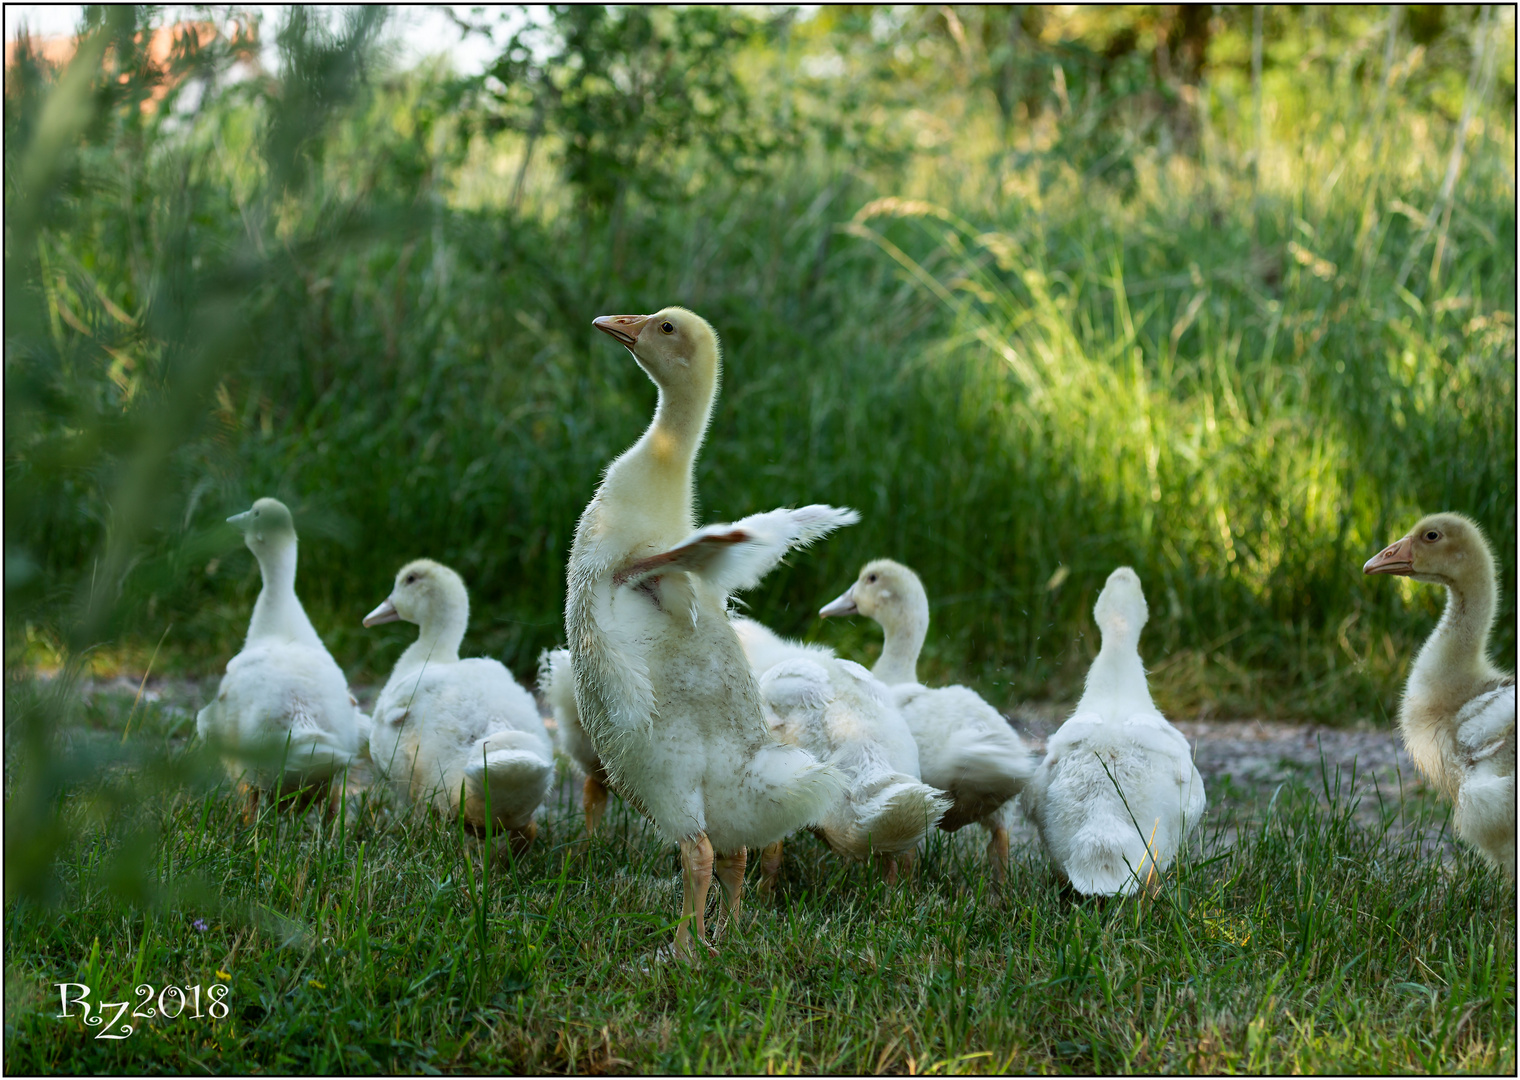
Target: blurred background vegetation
point(1224, 293)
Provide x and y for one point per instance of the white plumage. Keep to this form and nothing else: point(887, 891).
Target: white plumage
point(282, 715)
point(1117, 793)
point(841, 714)
point(448, 731)
point(965, 747)
point(661, 685)
point(666, 735)
point(736, 556)
point(556, 679)
point(1485, 804)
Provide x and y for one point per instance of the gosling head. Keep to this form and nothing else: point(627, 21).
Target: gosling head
point(268, 525)
point(1446, 549)
point(1121, 609)
point(673, 346)
point(886, 591)
point(425, 593)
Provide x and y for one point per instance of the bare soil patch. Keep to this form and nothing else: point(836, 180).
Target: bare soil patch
point(1244, 763)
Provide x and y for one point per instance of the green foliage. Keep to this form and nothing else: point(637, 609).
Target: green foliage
point(323, 72)
point(626, 90)
point(1109, 329)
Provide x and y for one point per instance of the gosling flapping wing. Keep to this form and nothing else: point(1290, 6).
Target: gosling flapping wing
point(738, 555)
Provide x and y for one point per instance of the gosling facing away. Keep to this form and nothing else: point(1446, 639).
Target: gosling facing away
point(1118, 792)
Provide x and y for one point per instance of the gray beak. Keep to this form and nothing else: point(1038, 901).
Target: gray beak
point(844, 605)
point(385, 613)
point(242, 519)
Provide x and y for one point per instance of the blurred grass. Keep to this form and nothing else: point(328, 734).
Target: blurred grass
point(1101, 340)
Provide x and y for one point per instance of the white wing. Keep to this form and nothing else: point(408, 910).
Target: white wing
point(764, 648)
point(736, 556)
point(1485, 724)
point(797, 685)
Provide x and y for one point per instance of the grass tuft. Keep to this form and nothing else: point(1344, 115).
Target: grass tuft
point(1298, 932)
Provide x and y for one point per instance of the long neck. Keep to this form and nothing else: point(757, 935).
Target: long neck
point(438, 641)
point(278, 613)
point(652, 481)
point(1117, 676)
point(1454, 660)
point(904, 640)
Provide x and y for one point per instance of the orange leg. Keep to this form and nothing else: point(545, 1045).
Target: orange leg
point(343, 793)
point(594, 799)
point(997, 853)
point(770, 868)
point(696, 881)
point(729, 870)
point(250, 797)
point(888, 864)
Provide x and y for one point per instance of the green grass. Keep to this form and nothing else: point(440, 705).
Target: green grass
point(1307, 943)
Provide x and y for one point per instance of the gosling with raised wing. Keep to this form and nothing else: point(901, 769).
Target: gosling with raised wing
point(662, 686)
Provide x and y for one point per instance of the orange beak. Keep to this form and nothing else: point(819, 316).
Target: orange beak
point(625, 328)
point(1397, 559)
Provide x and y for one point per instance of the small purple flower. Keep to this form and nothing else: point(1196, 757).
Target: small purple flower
point(198, 925)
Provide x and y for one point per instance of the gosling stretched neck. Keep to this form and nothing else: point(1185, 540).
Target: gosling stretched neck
point(904, 632)
point(1116, 680)
point(652, 482)
point(439, 636)
point(278, 613)
point(1453, 665)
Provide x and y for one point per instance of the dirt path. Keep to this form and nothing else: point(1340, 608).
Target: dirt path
point(1243, 762)
point(1265, 753)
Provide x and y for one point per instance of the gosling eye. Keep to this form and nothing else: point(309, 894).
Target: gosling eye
point(410, 578)
point(668, 327)
point(1432, 536)
point(870, 579)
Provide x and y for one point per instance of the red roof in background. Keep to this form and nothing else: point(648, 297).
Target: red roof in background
point(59, 50)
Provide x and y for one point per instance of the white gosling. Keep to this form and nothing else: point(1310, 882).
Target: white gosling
point(283, 716)
point(557, 681)
point(446, 728)
point(840, 713)
point(661, 684)
point(1117, 793)
point(965, 747)
point(1458, 712)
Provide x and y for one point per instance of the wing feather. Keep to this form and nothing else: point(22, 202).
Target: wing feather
point(737, 556)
